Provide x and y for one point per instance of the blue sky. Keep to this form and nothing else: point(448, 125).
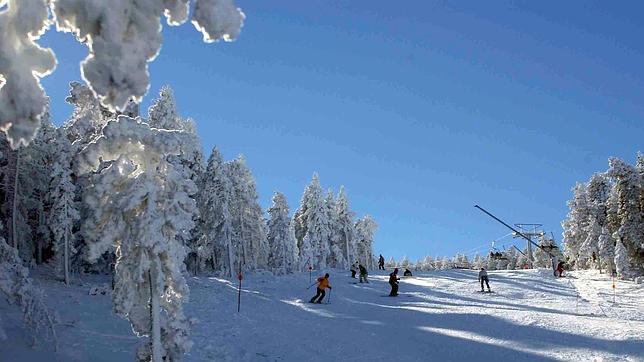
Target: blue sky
point(420, 108)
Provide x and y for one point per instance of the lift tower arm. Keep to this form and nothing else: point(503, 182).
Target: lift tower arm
point(515, 230)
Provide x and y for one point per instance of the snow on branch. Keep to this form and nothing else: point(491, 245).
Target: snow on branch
point(217, 19)
point(124, 35)
point(22, 63)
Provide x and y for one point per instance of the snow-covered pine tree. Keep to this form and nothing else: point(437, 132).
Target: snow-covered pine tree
point(365, 230)
point(598, 190)
point(140, 203)
point(64, 209)
point(215, 222)
point(345, 228)
point(445, 263)
point(283, 248)
point(88, 117)
point(477, 262)
point(576, 225)
point(27, 189)
point(622, 262)
point(336, 254)
point(511, 255)
point(404, 262)
point(630, 233)
point(391, 263)
point(163, 114)
point(83, 127)
point(247, 216)
point(312, 227)
point(428, 263)
point(491, 263)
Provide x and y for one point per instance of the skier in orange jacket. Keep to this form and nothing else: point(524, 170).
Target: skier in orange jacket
point(323, 283)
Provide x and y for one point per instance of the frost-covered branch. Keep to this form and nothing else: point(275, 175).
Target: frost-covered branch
point(22, 63)
point(122, 36)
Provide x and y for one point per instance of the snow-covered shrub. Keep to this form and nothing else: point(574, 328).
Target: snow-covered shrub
point(18, 289)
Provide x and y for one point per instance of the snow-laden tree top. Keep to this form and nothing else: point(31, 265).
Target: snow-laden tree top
point(122, 37)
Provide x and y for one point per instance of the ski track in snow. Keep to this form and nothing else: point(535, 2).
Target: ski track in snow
point(438, 316)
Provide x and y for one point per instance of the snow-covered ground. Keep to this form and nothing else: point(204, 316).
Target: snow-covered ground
point(438, 316)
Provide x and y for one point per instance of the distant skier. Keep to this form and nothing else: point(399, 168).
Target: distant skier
point(363, 274)
point(483, 278)
point(407, 273)
point(323, 283)
point(560, 269)
point(393, 281)
point(381, 262)
point(354, 269)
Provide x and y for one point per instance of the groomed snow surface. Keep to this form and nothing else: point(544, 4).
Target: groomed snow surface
point(439, 316)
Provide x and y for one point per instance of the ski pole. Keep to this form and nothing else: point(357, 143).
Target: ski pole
point(309, 287)
point(328, 300)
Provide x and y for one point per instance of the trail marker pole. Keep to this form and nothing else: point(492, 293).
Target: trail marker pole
point(614, 290)
point(310, 272)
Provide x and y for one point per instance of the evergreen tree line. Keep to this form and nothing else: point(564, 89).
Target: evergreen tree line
point(49, 205)
point(604, 228)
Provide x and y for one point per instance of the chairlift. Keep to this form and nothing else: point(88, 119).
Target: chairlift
point(549, 247)
point(497, 255)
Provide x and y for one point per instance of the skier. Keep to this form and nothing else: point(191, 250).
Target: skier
point(407, 273)
point(363, 273)
point(560, 269)
point(323, 283)
point(483, 278)
point(393, 281)
point(381, 262)
point(354, 269)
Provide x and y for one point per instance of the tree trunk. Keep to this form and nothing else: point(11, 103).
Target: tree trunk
point(231, 268)
point(41, 223)
point(14, 211)
point(346, 239)
point(155, 325)
point(66, 251)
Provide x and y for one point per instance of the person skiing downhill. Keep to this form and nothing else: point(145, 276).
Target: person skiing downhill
point(363, 273)
point(354, 269)
point(560, 269)
point(381, 262)
point(393, 281)
point(407, 272)
point(484, 278)
point(323, 283)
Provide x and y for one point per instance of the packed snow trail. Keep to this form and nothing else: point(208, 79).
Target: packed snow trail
point(438, 316)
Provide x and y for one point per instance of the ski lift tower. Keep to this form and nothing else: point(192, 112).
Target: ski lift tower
point(529, 230)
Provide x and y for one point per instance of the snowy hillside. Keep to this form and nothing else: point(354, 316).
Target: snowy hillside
point(438, 316)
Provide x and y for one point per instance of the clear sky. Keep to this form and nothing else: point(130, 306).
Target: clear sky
point(420, 108)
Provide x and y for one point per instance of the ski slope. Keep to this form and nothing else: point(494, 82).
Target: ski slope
point(438, 316)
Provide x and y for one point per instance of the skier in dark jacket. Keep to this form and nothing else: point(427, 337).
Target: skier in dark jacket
point(483, 278)
point(363, 273)
point(381, 262)
point(407, 273)
point(393, 281)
